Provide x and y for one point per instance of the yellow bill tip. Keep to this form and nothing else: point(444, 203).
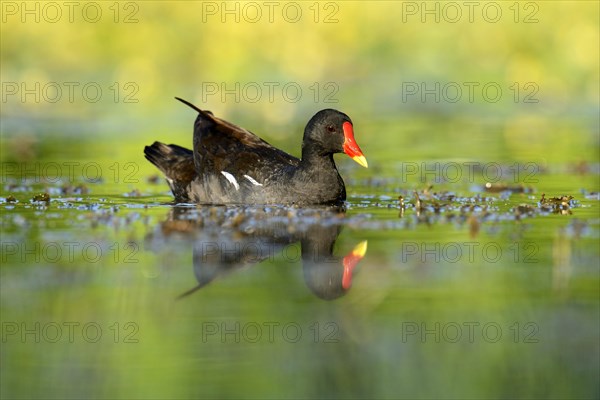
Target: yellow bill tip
point(360, 249)
point(361, 160)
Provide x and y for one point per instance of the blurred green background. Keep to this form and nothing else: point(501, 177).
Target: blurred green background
point(375, 61)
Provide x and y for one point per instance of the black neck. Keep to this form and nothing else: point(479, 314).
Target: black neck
point(316, 157)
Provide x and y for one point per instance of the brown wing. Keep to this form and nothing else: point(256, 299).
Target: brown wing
point(220, 146)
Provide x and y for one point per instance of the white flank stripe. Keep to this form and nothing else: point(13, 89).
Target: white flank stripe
point(231, 179)
point(251, 179)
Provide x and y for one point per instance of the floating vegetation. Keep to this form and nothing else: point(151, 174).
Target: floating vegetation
point(557, 205)
point(525, 210)
point(42, 197)
point(429, 201)
point(474, 211)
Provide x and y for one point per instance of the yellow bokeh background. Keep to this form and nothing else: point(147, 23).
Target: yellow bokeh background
point(360, 54)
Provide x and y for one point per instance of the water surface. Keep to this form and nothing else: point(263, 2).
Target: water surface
point(110, 290)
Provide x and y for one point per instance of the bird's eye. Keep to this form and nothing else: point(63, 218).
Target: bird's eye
point(330, 128)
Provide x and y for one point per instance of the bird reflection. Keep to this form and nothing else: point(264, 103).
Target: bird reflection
point(227, 238)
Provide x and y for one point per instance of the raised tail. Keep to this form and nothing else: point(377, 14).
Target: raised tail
point(176, 162)
point(171, 159)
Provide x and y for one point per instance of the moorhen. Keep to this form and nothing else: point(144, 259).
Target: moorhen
point(231, 165)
